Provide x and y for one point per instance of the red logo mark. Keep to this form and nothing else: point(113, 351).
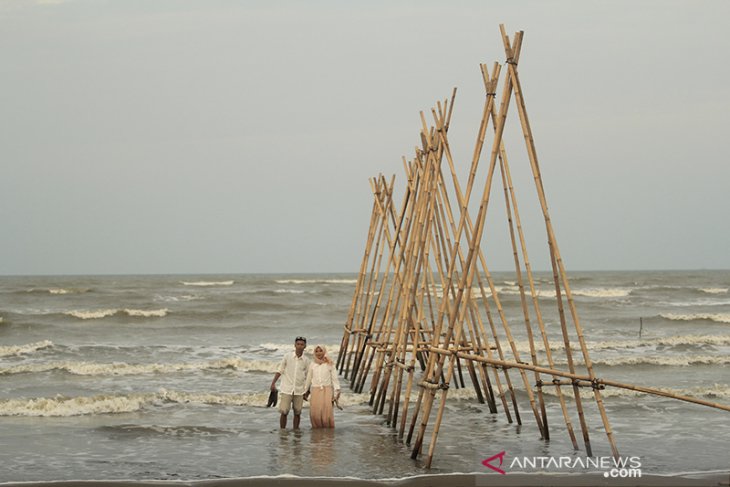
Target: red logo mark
point(499, 455)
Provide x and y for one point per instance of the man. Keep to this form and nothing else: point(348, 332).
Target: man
point(293, 370)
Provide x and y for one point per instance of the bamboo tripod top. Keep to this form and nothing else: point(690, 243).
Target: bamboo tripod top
point(427, 311)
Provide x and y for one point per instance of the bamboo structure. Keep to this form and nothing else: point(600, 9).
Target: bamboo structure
point(427, 312)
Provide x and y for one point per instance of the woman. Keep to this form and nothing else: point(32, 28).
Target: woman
point(324, 387)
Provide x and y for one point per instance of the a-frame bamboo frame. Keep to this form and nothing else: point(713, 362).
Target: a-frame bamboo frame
point(432, 304)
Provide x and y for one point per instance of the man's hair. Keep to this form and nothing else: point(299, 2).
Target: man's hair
point(300, 339)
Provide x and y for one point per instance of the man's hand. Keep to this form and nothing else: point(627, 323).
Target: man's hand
point(306, 396)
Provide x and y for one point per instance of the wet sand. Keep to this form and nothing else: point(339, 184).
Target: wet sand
point(447, 480)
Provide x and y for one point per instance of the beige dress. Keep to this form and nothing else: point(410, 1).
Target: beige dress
point(322, 383)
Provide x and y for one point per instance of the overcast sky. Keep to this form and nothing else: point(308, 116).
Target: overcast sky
point(178, 136)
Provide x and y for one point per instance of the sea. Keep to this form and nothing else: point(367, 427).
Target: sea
point(167, 377)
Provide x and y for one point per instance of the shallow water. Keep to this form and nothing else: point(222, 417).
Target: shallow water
point(166, 377)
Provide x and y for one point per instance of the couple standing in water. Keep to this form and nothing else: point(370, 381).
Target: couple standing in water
point(302, 378)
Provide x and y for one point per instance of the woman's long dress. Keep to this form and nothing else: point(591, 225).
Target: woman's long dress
point(322, 382)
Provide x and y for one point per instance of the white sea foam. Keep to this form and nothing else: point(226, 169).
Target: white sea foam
point(123, 368)
point(672, 341)
point(715, 290)
point(716, 317)
point(92, 315)
point(24, 349)
point(103, 313)
point(546, 292)
point(59, 290)
point(175, 299)
point(207, 283)
point(664, 360)
point(523, 346)
point(76, 406)
point(125, 403)
point(715, 391)
point(316, 281)
point(159, 313)
point(596, 292)
point(289, 291)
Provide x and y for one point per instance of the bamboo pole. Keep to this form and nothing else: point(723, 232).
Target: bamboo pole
point(463, 205)
point(363, 351)
point(412, 251)
point(393, 245)
point(491, 87)
point(386, 323)
point(464, 281)
point(384, 196)
point(532, 154)
point(361, 277)
point(530, 278)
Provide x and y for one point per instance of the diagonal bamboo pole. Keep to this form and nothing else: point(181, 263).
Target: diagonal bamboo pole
point(532, 153)
point(358, 287)
point(362, 350)
point(396, 259)
point(386, 211)
point(533, 292)
point(404, 287)
point(435, 366)
point(463, 204)
point(384, 200)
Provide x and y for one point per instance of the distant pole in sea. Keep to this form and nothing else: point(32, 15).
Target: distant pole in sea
point(641, 325)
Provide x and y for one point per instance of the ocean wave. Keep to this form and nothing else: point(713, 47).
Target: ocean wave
point(103, 313)
point(126, 403)
point(716, 391)
point(316, 281)
point(123, 368)
point(544, 293)
point(716, 317)
point(59, 290)
point(176, 299)
point(207, 283)
point(671, 341)
point(76, 406)
point(24, 349)
point(161, 430)
point(523, 346)
point(663, 360)
point(715, 290)
point(289, 291)
point(698, 302)
point(595, 292)
point(246, 399)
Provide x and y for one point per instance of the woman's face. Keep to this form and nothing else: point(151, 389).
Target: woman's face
point(319, 353)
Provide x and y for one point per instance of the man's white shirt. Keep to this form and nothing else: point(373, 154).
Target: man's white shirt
point(293, 372)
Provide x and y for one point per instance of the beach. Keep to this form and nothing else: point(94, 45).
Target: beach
point(445, 480)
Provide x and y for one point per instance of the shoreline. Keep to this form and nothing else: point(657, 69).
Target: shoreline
point(697, 479)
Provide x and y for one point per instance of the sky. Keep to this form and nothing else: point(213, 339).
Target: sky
point(220, 136)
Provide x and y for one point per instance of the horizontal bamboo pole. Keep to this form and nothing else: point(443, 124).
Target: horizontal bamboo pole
point(659, 392)
point(604, 382)
point(521, 365)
